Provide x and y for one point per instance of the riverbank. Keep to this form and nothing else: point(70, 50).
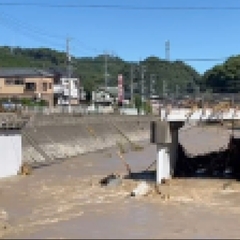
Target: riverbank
point(62, 136)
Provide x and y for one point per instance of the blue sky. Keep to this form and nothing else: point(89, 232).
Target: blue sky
point(129, 34)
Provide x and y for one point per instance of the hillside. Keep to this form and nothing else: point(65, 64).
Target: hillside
point(176, 75)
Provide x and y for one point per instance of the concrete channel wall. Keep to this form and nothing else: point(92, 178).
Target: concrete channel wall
point(63, 136)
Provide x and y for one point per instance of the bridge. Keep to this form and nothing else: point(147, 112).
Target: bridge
point(164, 133)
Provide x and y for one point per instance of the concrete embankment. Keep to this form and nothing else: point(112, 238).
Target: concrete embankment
point(63, 136)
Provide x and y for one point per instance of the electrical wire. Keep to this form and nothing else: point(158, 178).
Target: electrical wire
point(20, 26)
point(41, 36)
point(117, 7)
point(30, 34)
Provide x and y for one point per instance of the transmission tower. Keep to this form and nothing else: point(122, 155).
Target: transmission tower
point(167, 50)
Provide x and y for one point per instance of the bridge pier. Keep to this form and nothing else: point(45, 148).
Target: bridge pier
point(165, 136)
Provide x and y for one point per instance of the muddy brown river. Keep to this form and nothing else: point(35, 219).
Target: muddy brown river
point(65, 201)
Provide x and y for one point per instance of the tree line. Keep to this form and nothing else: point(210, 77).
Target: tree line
point(159, 76)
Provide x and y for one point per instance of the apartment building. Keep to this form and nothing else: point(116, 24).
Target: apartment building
point(26, 83)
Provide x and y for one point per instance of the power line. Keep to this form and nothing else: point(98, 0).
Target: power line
point(21, 24)
point(100, 61)
point(173, 61)
point(32, 31)
point(10, 22)
point(119, 7)
point(26, 32)
point(202, 59)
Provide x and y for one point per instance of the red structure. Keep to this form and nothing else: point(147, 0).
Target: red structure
point(120, 89)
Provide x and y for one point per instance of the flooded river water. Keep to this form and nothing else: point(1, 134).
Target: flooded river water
point(65, 201)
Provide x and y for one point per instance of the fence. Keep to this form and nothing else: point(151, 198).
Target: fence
point(82, 110)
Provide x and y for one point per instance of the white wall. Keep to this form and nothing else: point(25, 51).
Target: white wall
point(63, 88)
point(73, 87)
point(10, 152)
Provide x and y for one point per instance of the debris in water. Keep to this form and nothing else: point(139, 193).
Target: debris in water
point(26, 169)
point(165, 181)
point(142, 189)
point(111, 180)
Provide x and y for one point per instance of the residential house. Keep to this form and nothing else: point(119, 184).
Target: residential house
point(105, 96)
point(30, 83)
point(67, 90)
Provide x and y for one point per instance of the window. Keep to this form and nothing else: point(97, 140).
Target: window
point(45, 86)
point(19, 81)
point(14, 81)
point(75, 84)
point(50, 85)
point(30, 86)
point(9, 81)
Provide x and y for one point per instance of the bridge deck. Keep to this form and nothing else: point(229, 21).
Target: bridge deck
point(185, 114)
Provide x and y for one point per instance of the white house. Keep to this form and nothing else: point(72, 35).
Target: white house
point(67, 89)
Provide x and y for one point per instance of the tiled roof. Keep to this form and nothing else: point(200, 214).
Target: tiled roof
point(23, 72)
point(111, 90)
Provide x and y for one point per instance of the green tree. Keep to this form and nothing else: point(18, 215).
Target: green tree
point(224, 78)
point(138, 102)
point(147, 107)
point(90, 70)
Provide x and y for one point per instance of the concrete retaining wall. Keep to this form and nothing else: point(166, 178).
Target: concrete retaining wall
point(67, 136)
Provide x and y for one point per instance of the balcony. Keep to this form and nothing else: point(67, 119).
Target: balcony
point(58, 89)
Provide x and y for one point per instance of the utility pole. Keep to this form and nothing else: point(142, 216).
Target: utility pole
point(131, 86)
point(106, 70)
point(167, 54)
point(152, 83)
point(164, 87)
point(143, 69)
point(68, 72)
point(177, 91)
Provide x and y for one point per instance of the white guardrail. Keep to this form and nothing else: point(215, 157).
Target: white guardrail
point(80, 110)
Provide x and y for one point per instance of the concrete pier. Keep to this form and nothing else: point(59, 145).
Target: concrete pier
point(165, 135)
point(163, 162)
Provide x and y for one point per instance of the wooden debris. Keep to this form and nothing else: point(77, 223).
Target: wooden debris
point(26, 169)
